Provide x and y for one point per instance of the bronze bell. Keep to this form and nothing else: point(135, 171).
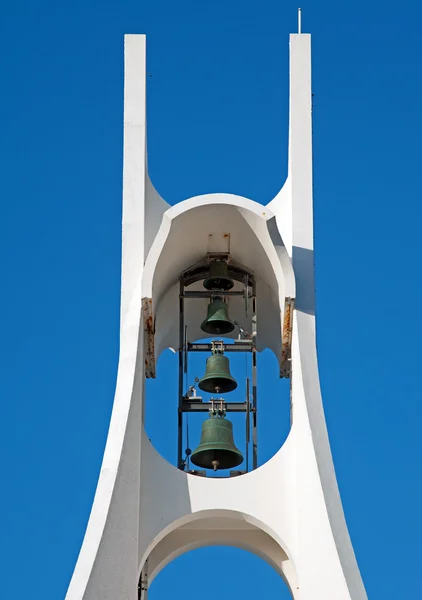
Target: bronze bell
point(217, 449)
point(217, 321)
point(217, 378)
point(218, 277)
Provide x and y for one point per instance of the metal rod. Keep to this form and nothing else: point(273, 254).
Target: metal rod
point(248, 424)
point(200, 294)
point(299, 20)
point(254, 323)
point(181, 373)
point(185, 349)
point(254, 394)
point(245, 293)
point(189, 406)
point(244, 346)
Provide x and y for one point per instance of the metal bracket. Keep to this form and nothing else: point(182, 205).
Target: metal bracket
point(149, 332)
point(286, 340)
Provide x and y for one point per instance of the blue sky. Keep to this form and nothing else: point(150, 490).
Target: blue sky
point(217, 121)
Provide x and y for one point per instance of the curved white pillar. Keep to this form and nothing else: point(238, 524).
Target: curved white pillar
point(288, 511)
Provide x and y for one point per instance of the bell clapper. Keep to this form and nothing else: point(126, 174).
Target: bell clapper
point(215, 464)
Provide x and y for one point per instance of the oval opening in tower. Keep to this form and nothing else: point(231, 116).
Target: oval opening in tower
point(230, 409)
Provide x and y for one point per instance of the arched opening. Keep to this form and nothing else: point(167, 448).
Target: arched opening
point(233, 233)
point(218, 572)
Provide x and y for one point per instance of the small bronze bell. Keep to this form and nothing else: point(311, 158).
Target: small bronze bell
point(217, 321)
point(217, 449)
point(218, 277)
point(217, 378)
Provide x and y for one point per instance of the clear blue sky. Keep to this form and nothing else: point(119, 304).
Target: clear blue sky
point(217, 121)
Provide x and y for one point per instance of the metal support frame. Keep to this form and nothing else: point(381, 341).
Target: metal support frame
point(187, 404)
point(236, 347)
point(205, 406)
point(207, 294)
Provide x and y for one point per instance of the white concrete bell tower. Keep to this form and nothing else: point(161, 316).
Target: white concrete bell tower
point(146, 511)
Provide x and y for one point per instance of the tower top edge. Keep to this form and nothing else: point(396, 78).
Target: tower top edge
point(134, 35)
point(300, 35)
point(144, 35)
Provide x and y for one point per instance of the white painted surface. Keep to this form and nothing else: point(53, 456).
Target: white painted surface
point(187, 227)
point(288, 511)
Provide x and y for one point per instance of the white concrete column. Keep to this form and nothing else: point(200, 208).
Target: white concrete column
point(107, 566)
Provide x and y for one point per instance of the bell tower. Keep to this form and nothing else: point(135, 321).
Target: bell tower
point(217, 275)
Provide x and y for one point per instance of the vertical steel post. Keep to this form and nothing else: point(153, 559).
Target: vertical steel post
point(254, 384)
point(248, 423)
point(181, 372)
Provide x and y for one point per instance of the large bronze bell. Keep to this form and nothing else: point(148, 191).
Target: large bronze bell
point(217, 449)
point(217, 321)
point(218, 277)
point(217, 378)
